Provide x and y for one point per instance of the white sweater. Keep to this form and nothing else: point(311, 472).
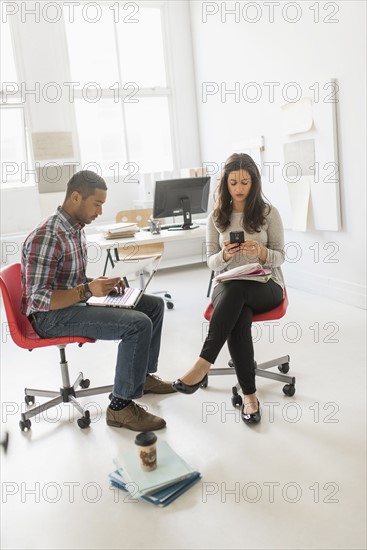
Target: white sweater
point(271, 236)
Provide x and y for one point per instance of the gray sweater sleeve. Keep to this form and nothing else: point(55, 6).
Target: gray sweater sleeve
point(214, 253)
point(271, 236)
point(275, 245)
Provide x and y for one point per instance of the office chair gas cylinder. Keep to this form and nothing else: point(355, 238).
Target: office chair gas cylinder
point(25, 337)
point(261, 370)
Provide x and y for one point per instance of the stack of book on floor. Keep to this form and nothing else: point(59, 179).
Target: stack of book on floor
point(120, 230)
point(249, 272)
point(172, 477)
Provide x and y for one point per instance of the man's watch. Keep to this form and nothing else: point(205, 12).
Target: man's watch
point(87, 291)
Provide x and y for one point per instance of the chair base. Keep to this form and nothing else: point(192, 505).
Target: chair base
point(166, 297)
point(66, 394)
point(261, 370)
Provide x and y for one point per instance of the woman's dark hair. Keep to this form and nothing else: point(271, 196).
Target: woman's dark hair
point(255, 206)
point(85, 182)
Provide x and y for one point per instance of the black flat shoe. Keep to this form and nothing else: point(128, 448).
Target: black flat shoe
point(251, 418)
point(180, 386)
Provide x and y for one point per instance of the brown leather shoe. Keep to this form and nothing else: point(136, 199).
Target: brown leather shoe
point(134, 417)
point(153, 384)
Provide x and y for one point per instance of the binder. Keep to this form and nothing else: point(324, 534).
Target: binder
point(170, 470)
point(162, 497)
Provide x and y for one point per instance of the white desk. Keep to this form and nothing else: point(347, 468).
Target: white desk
point(131, 244)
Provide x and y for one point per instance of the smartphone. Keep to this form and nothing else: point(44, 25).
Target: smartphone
point(237, 237)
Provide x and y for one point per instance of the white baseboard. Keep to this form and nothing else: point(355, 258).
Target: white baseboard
point(336, 289)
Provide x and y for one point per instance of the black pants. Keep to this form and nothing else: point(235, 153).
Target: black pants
point(234, 304)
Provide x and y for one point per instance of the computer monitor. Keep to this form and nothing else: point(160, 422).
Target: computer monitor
point(184, 196)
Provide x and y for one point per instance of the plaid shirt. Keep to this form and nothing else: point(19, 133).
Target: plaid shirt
point(54, 257)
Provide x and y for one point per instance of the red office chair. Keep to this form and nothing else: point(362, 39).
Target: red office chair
point(261, 370)
point(25, 337)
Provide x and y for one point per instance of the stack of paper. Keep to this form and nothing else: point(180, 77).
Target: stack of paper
point(248, 272)
point(120, 230)
point(172, 477)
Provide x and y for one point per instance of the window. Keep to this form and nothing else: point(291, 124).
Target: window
point(14, 148)
point(120, 82)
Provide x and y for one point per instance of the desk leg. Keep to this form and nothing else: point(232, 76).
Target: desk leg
point(109, 259)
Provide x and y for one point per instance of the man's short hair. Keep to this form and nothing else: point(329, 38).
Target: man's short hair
point(85, 182)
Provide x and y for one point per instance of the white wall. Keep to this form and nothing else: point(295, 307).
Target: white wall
point(41, 56)
point(230, 52)
point(280, 51)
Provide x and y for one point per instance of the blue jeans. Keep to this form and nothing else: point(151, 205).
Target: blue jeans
point(139, 331)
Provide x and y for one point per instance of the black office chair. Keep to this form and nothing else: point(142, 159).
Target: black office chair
point(210, 284)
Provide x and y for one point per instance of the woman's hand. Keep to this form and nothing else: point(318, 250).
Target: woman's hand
point(253, 250)
point(229, 250)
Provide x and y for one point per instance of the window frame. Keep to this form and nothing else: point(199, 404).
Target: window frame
point(16, 102)
point(144, 92)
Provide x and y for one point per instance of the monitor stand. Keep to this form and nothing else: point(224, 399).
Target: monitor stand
point(183, 227)
point(186, 212)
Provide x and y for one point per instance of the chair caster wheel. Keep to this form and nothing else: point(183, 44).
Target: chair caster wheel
point(84, 421)
point(169, 305)
point(29, 399)
point(167, 296)
point(289, 389)
point(284, 368)
point(85, 383)
point(25, 424)
point(236, 399)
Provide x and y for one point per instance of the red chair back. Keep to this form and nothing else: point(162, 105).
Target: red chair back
point(20, 328)
point(271, 315)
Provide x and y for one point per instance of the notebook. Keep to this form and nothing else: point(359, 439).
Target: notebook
point(170, 470)
point(250, 272)
point(128, 300)
point(159, 498)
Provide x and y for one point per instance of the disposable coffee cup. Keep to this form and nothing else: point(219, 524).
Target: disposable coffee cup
point(146, 444)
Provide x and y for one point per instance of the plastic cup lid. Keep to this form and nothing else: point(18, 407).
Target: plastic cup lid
point(145, 438)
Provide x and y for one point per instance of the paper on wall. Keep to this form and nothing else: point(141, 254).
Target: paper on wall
point(299, 195)
point(299, 158)
point(325, 206)
point(297, 117)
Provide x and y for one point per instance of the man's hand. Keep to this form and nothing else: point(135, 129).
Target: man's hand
point(103, 285)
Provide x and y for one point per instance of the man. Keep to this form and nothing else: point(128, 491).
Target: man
point(55, 287)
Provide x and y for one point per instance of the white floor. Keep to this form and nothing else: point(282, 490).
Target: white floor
point(297, 480)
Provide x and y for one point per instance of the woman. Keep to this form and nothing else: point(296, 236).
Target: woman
point(240, 206)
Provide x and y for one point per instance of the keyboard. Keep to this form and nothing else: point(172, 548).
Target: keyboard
point(115, 298)
point(167, 226)
point(171, 226)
